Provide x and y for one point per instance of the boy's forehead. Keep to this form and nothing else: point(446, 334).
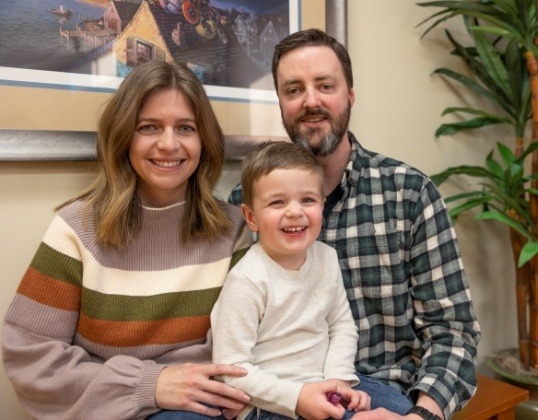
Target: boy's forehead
point(283, 179)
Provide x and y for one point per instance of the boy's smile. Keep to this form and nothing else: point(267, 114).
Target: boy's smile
point(287, 213)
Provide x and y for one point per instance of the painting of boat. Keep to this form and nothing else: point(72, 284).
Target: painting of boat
point(61, 11)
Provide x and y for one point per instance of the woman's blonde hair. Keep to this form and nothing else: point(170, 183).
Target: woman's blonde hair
point(112, 196)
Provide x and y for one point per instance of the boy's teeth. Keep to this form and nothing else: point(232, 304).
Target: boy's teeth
point(295, 229)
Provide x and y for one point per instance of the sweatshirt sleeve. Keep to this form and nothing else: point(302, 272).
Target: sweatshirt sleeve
point(234, 324)
point(343, 337)
point(53, 377)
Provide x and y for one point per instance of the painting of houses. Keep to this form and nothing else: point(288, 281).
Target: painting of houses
point(227, 43)
point(223, 47)
point(118, 15)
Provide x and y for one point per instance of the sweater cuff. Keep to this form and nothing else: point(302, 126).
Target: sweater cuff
point(145, 391)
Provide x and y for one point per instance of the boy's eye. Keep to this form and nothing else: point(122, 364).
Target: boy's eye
point(310, 200)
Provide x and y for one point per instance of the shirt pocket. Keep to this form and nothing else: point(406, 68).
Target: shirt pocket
point(381, 266)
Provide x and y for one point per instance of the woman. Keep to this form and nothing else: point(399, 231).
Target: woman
point(110, 320)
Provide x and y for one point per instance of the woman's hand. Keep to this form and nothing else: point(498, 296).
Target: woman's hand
point(190, 387)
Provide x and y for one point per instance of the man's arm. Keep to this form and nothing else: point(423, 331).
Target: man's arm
point(444, 319)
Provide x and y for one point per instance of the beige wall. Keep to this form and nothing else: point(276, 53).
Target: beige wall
point(397, 110)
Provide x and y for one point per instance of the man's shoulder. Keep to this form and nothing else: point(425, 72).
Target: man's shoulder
point(363, 158)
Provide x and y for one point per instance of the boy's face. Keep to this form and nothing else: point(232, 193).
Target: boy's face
point(286, 212)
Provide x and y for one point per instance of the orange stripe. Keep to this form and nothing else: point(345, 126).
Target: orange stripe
point(135, 333)
point(49, 291)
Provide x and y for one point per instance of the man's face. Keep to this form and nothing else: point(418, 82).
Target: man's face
point(315, 100)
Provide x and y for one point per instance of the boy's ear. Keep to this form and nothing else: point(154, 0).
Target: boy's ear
point(249, 217)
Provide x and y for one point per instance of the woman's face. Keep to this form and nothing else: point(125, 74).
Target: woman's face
point(165, 149)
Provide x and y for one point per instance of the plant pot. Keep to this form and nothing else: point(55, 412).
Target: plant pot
point(507, 366)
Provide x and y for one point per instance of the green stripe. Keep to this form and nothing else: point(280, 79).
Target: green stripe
point(148, 308)
point(59, 266)
point(237, 255)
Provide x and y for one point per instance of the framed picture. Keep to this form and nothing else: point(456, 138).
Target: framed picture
point(51, 93)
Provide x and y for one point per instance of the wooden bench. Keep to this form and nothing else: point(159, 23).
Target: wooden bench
point(494, 400)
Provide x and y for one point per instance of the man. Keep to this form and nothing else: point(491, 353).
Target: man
point(396, 245)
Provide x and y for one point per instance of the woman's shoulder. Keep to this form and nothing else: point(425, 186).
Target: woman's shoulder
point(74, 209)
point(233, 212)
point(76, 214)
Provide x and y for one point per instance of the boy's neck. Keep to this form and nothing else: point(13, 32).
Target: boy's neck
point(288, 262)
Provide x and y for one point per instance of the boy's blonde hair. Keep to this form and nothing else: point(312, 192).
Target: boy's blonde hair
point(268, 156)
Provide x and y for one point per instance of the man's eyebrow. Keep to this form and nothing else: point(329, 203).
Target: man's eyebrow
point(300, 81)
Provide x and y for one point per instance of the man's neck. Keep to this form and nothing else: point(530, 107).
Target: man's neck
point(335, 164)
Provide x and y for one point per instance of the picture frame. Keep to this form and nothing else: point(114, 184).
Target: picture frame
point(53, 138)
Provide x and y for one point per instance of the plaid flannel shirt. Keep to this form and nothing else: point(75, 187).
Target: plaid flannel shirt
point(404, 279)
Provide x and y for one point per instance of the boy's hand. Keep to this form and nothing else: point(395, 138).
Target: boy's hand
point(356, 400)
point(313, 404)
point(232, 413)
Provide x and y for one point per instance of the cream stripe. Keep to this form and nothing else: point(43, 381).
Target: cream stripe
point(141, 283)
point(147, 283)
point(62, 238)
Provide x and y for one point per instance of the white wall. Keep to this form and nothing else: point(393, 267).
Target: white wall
point(397, 110)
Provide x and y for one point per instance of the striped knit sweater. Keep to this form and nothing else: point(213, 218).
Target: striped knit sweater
point(91, 327)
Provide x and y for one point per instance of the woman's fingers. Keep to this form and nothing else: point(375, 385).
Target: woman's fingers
point(189, 387)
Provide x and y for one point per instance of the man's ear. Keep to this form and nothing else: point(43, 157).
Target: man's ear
point(249, 217)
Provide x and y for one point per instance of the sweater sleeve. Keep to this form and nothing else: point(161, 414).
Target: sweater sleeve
point(53, 377)
point(234, 323)
point(56, 380)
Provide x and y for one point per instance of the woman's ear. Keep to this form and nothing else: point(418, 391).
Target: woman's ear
point(248, 215)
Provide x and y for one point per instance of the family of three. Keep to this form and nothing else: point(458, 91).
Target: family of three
point(147, 297)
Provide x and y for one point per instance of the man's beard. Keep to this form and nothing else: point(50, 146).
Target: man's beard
point(329, 142)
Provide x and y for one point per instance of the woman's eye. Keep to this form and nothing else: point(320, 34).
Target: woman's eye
point(146, 128)
point(186, 129)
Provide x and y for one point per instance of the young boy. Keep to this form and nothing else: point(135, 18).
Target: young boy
point(283, 314)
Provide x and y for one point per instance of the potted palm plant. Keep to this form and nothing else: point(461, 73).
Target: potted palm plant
point(503, 70)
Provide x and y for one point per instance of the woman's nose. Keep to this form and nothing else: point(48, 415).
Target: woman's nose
point(168, 141)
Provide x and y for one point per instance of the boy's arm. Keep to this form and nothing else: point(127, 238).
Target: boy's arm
point(343, 336)
point(234, 323)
